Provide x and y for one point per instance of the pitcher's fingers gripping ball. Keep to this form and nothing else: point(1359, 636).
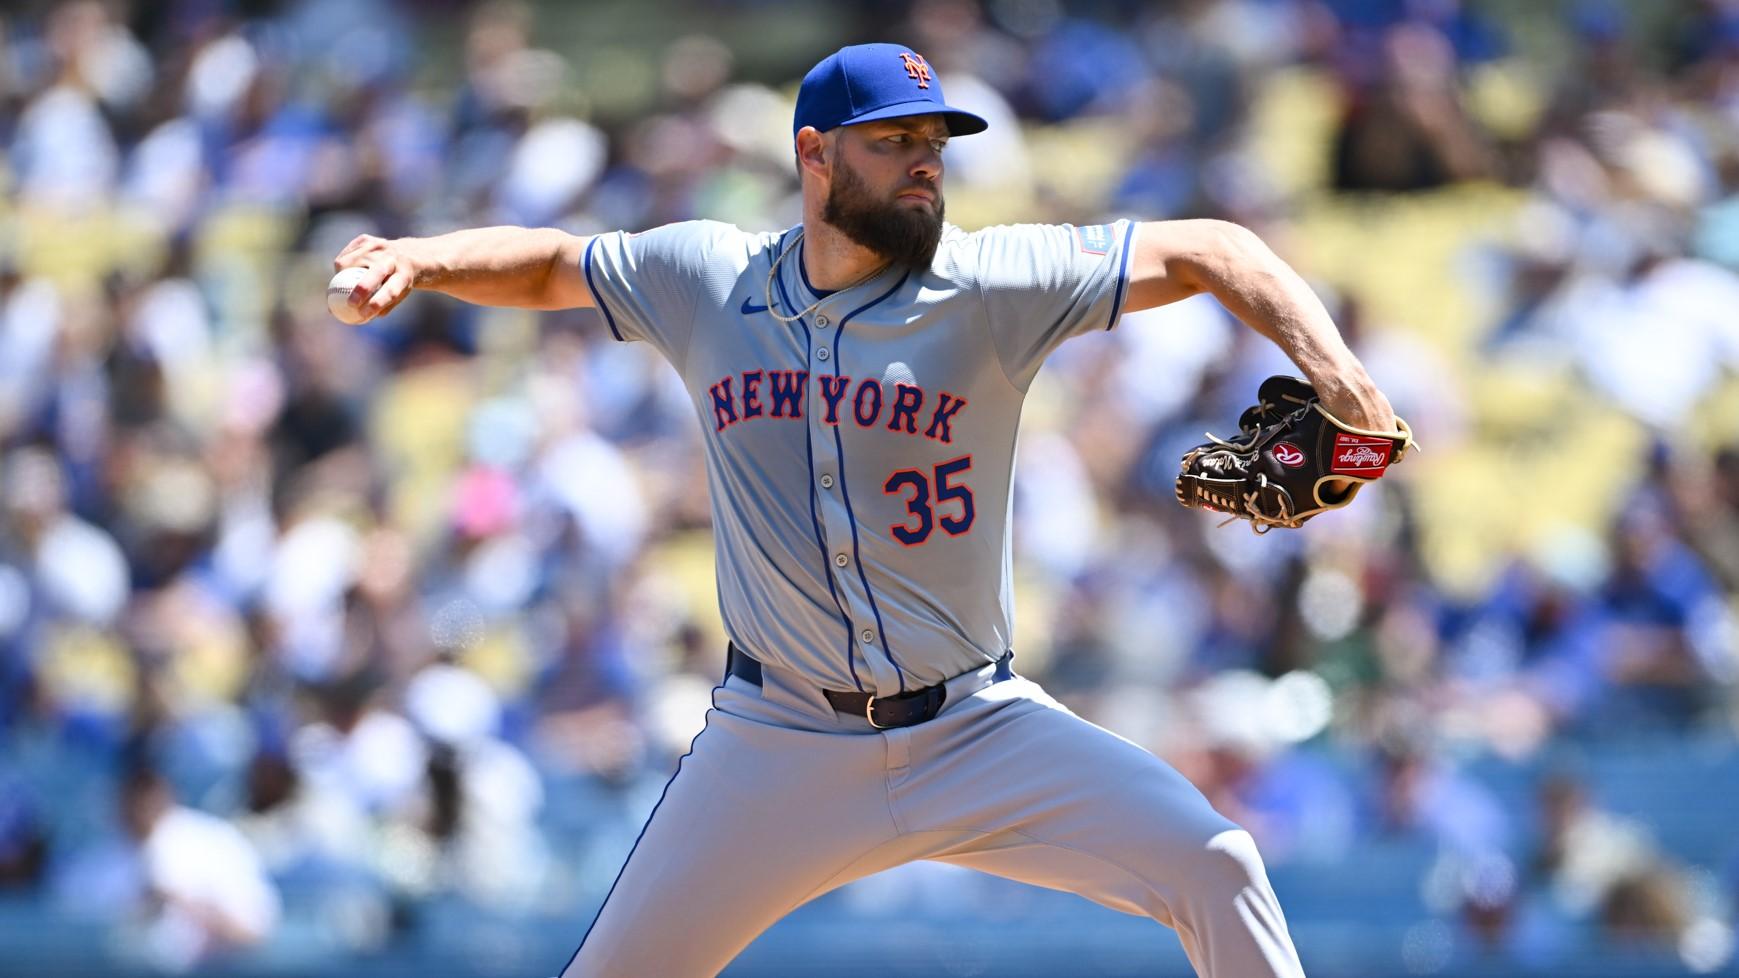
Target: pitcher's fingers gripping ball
point(338, 293)
point(372, 278)
point(1290, 460)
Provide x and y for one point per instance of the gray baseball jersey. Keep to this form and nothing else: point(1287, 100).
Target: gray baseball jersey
point(861, 457)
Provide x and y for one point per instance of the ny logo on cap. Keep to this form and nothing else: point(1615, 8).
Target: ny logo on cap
point(916, 68)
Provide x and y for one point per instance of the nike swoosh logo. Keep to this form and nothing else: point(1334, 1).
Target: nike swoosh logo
point(749, 307)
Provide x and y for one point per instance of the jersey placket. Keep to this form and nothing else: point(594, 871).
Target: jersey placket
point(841, 540)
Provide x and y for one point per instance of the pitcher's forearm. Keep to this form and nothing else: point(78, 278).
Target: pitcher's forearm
point(531, 268)
point(1265, 293)
point(497, 266)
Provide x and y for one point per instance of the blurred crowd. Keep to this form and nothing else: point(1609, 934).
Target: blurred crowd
point(304, 625)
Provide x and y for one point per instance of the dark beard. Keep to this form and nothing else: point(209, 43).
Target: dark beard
point(903, 235)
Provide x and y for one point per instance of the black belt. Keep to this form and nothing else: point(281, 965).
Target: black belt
point(882, 712)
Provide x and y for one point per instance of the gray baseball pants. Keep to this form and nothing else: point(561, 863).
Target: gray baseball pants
point(781, 799)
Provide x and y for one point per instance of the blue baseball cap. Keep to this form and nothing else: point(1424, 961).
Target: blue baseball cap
point(866, 82)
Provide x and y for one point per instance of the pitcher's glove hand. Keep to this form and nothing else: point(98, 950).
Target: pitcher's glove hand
point(1290, 460)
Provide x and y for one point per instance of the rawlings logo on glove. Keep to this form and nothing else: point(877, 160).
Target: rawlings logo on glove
point(1358, 455)
point(1290, 460)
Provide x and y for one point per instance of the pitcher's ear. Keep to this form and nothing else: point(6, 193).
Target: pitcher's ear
point(812, 147)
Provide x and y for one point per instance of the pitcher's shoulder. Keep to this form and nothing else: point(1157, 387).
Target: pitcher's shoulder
point(958, 254)
point(973, 256)
point(1024, 249)
point(717, 240)
point(984, 243)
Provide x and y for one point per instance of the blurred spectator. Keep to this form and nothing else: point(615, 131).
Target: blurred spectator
point(1667, 642)
point(370, 756)
point(1503, 921)
point(1403, 127)
point(23, 843)
point(1424, 797)
point(202, 888)
point(1600, 865)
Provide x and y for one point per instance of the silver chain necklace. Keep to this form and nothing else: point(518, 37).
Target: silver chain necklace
point(773, 307)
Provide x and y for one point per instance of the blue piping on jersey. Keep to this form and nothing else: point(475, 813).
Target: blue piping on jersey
point(1122, 274)
point(804, 271)
point(705, 724)
point(845, 493)
point(814, 517)
point(598, 297)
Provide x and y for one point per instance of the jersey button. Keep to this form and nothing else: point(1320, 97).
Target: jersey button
point(821, 321)
point(822, 354)
point(827, 482)
point(867, 635)
point(840, 560)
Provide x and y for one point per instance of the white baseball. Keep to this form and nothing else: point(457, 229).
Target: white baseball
point(338, 296)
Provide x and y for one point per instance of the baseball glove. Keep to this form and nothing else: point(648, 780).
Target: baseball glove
point(1290, 460)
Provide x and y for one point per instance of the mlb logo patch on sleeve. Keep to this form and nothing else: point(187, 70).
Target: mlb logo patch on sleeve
point(1094, 240)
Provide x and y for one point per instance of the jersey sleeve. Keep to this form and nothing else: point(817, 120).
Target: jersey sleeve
point(648, 285)
point(1043, 283)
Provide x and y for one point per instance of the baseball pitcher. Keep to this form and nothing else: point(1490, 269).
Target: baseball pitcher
point(859, 379)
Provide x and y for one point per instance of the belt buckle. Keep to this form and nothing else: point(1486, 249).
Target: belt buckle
point(869, 713)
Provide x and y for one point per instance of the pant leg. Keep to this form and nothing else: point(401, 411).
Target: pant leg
point(758, 818)
point(1055, 801)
